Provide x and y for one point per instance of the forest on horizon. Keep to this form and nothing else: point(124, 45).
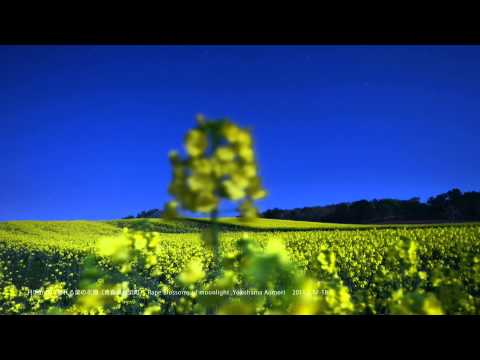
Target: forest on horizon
point(453, 205)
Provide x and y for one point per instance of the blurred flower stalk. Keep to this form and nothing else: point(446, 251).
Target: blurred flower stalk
point(220, 164)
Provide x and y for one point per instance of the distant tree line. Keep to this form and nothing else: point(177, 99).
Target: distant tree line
point(450, 206)
point(152, 213)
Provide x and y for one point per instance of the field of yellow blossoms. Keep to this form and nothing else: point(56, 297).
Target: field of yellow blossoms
point(268, 267)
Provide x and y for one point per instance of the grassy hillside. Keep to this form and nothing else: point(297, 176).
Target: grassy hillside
point(276, 224)
point(44, 235)
point(82, 235)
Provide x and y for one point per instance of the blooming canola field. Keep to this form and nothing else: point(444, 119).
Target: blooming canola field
point(155, 266)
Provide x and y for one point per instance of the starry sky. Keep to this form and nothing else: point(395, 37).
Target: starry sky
point(85, 130)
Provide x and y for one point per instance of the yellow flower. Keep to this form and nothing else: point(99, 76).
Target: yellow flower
point(307, 302)
point(422, 275)
point(246, 153)
point(224, 153)
point(431, 306)
point(192, 273)
point(199, 182)
point(202, 166)
point(240, 180)
point(230, 132)
point(53, 292)
point(154, 242)
point(10, 292)
point(153, 310)
point(276, 247)
point(244, 137)
point(255, 189)
point(233, 191)
point(250, 171)
point(140, 242)
point(196, 143)
point(206, 202)
point(151, 260)
point(126, 268)
point(116, 247)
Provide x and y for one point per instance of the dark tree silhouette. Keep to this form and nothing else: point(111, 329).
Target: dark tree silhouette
point(450, 206)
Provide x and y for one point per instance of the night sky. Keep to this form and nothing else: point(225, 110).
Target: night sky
point(85, 130)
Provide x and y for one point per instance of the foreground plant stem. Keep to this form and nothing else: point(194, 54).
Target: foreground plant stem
point(217, 268)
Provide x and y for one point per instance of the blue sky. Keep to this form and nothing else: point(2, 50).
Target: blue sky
point(86, 129)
